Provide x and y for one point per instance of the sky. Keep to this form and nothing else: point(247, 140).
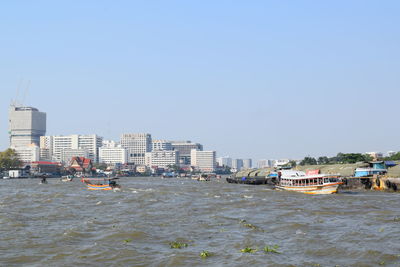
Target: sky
point(249, 79)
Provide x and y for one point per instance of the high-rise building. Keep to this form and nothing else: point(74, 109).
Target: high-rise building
point(262, 163)
point(77, 143)
point(27, 153)
point(161, 145)
point(26, 125)
point(137, 145)
point(161, 158)
point(184, 148)
point(46, 148)
point(247, 163)
point(237, 164)
point(224, 161)
point(203, 160)
point(113, 155)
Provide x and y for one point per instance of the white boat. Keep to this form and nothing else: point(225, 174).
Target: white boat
point(299, 181)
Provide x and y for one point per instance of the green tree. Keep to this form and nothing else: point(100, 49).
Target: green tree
point(394, 157)
point(308, 161)
point(323, 160)
point(9, 160)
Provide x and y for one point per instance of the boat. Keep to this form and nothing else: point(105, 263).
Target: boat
point(374, 168)
point(67, 178)
point(101, 183)
point(308, 183)
point(246, 180)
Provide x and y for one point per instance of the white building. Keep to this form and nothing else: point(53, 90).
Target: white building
point(161, 145)
point(113, 155)
point(204, 161)
point(137, 145)
point(262, 163)
point(391, 153)
point(110, 143)
point(224, 161)
point(184, 148)
point(375, 155)
point(247, 164)
point(161, 158)
point(28, 153)
point(90, 143)
point(26, 125)
point(237, 164)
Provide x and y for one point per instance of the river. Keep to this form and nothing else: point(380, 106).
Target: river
point(64, 224)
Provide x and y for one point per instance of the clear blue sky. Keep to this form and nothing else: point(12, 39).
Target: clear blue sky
point(251, 79)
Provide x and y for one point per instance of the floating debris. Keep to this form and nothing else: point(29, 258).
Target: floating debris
point(249, 250)
point(128, 240)
point(178, 245)
point(272, 249)
point(204, 254)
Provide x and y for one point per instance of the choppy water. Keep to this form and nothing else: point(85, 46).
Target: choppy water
point(63, 224)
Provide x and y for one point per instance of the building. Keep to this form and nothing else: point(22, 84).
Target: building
point(137, 145)
point(237, 164)
point(113, 155)
point(204, 161)
point(391, 153)
point(90, 143)
point(375, 155)
point(26, 125)
point(247, 164)
point(161, 145)
point(224, 161)
point(81, 165)
point(262, 163)
point(69, 153)
point(46, 148)
point(161, 158)
point(27, 153)
point(38, 167)
point(184, 148)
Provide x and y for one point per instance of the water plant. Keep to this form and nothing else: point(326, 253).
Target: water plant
point(249, 250)
point(128, 240)
point(204, 254)
point(178, 245)
point(271, 249)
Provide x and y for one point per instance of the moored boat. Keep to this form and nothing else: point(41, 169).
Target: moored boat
point(101, 183)
point(299, 181)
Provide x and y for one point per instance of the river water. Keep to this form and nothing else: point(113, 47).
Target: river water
point(64, 224)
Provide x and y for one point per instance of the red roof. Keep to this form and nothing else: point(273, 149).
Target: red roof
point(82, 162)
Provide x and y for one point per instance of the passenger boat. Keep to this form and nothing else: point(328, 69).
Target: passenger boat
point(101, 183)
point(299, 181)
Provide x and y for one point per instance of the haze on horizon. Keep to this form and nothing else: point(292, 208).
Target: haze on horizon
point(249, 79)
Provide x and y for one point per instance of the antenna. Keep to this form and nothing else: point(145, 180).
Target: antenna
point(26, 91)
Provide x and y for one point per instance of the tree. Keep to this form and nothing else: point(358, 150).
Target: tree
point(323, 160)
point(308, 161)
point(393, 157)
point(9, 160)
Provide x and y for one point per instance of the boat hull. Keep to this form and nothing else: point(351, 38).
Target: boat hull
point(98, 187)
point(313, 190)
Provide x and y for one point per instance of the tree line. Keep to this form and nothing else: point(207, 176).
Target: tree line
point(340, 158)
point(9, 160)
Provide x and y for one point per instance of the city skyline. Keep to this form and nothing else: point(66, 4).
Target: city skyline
point(261, 80)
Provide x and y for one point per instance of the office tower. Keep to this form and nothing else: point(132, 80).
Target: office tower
point(203, 160)
point(26, 125)
point(137, 144)
point(184, 148)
